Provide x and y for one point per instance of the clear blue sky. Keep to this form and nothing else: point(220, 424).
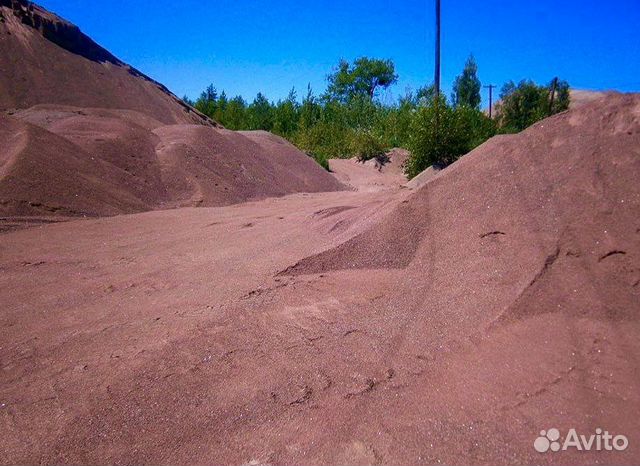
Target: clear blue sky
point(249, 46)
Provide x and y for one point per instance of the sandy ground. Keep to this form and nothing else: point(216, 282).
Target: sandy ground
point(129, 289)
point(445, 321)
point(372, 176)
point(327, 329)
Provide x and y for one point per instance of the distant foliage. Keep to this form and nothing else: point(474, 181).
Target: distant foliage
point(523, 104)
point(286, 116)
point(208, 101)
point(349, 119)
point(235, 115)
point(466, 87)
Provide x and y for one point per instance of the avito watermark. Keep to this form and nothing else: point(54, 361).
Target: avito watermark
point(549, 440)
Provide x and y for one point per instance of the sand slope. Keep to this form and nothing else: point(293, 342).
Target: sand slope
point(145, 164)
point(46, 60)
point(449, 324)
point(101, 138)
point(205, 166)
point(372, 176)
point(45, 174)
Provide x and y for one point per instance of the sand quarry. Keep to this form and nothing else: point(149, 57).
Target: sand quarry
point(172, 292)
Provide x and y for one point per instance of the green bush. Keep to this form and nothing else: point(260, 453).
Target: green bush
point(476, 126)
point(441, 134)
point(365, 146)
point(322, 160)
point(522, 105)
point(325, 139)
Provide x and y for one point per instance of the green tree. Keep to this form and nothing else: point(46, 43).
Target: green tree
point(286, 115)
point(426, 94)
point(522, 105)
point(310, 110)
point(466, 87)
point(395, 122)
point(221, 107)
point(362, 78)
point(260, 113)
point(235, 115)
point(208, 101)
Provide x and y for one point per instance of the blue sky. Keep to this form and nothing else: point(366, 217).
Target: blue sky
point(247, 46)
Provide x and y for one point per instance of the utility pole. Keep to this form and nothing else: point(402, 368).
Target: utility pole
point(554, 84)
point(436, 80)
point(490, 87)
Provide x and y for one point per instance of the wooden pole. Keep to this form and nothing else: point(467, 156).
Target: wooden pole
point(554, 84)
point(436, 79)
point(490, 87)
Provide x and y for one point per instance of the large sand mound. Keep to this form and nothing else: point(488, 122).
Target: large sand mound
point(45, 174)
point(46, 60)
point(207, 166)
point(144, 164)
point(569, 179)
point(100, 138)
point(515, 293)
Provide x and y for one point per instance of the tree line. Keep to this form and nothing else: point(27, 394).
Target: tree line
point(349, 119)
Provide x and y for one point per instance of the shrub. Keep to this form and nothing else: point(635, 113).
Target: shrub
point(441, 134)
point(477, 126)
point(322, 160)
point(326, 139)
point(365, 146)
point(522, 105)
point(466, 87)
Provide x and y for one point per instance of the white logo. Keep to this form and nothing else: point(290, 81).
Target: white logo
point(547, 440)
point(601, 440)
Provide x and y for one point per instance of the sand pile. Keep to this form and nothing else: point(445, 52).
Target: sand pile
point(569, 181)
point(210, 167)
point(515, 288)
point(89, 135)
point(45, 174)
point(108, 162)
point(47, 60)
point(546, 221)
point(445, 325)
